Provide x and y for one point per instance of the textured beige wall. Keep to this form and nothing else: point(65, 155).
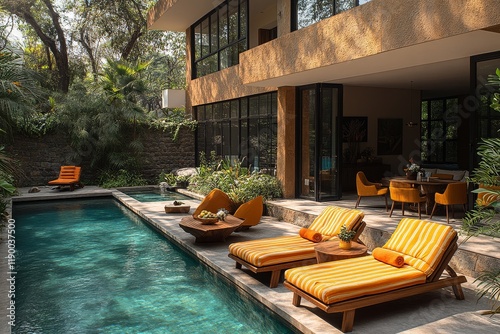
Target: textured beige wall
point(373, 28)
point(221, 86)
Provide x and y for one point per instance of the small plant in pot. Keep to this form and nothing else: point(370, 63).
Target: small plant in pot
point(345, 237)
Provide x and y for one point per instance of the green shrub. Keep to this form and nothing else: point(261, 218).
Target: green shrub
point(233, 179)
point(255, 184)
point(122, 178)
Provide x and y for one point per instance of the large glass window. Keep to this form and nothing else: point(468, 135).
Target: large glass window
point(219, 37)
point(308, 12)
point(243, 129)
point(439, 130)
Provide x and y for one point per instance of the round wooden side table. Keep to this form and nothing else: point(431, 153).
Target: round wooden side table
point(330, 251)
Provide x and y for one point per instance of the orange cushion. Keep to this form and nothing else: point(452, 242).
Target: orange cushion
point(250, 212)
point(331, 219)
point(310, 235)
point(387, 256)
point(215, 200)
point(335, 281)
point(422, 243)
point(270, 251)
point(67, 175)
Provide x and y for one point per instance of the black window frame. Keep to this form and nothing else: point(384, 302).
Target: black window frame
point(264, 119)
point(434, 130)
point(335, 5)
point(215, 50)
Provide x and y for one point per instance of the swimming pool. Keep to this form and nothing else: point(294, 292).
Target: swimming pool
point(92, 266)
point(154, 195)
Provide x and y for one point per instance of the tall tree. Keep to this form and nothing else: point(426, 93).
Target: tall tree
point(34, 13)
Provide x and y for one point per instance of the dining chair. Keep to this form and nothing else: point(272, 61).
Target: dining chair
point(455, 193)
point(366, 188)
point(405, 193)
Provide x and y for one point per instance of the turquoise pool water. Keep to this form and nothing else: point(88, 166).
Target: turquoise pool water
point(156, 196)
point(92, 266)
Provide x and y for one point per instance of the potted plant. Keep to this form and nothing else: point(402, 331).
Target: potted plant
point(345, 237)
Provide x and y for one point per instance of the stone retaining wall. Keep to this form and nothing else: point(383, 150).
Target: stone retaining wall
point(40, 158)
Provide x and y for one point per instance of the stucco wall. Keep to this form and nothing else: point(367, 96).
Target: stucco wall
point(41, 158)
point(221, 86)
point(370, 29)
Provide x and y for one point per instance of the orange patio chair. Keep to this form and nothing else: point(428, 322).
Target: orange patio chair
point(366, 188)
point(250, 212)
point(275, 254)
point(405, 195)
point(410, 263)
point(68, 176)
point(455, 193)
point(215, 200)
point(488, 195)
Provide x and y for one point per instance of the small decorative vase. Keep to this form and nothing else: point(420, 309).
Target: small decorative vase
point(344, 244)
point(411, 175)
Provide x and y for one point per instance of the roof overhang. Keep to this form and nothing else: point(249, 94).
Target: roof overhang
point(441, 65)
point(178, 15)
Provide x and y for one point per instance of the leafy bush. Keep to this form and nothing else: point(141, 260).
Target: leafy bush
point(250, 186)
point(484, 219)
point(122, 178)
point(234, 179)
point(174, 180)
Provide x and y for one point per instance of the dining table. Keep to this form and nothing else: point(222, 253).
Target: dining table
point(429, 186)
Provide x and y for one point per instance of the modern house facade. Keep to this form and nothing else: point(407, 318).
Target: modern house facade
point(314, 90)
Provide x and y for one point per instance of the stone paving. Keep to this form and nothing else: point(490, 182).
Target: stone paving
point(434, 312)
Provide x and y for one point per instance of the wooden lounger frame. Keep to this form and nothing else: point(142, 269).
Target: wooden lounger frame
point(348, 307)
point(277, 268)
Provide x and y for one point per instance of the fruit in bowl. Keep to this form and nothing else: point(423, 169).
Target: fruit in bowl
point(207, 214)
point(207, 217)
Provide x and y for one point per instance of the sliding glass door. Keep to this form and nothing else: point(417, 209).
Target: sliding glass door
point(319, 141)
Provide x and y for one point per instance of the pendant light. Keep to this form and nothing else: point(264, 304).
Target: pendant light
point(411, 124)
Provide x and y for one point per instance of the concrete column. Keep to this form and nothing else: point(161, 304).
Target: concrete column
point(286, 140)
point(284, 15)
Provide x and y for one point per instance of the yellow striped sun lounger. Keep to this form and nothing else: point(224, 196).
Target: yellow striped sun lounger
point(276, 254)
point(343, 286)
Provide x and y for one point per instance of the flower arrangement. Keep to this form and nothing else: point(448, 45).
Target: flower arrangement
point(346, 235)
point(414, 168)
point(222, 213)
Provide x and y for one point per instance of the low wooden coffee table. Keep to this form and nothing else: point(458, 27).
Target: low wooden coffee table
point(330, 251)
point(210, 233)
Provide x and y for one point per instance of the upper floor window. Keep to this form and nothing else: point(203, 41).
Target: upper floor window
point(308, 12)
point(219, 37)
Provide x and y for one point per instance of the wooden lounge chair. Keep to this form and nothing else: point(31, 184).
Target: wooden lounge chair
point(424, 249)
point(68, 176)
point(275, 254)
